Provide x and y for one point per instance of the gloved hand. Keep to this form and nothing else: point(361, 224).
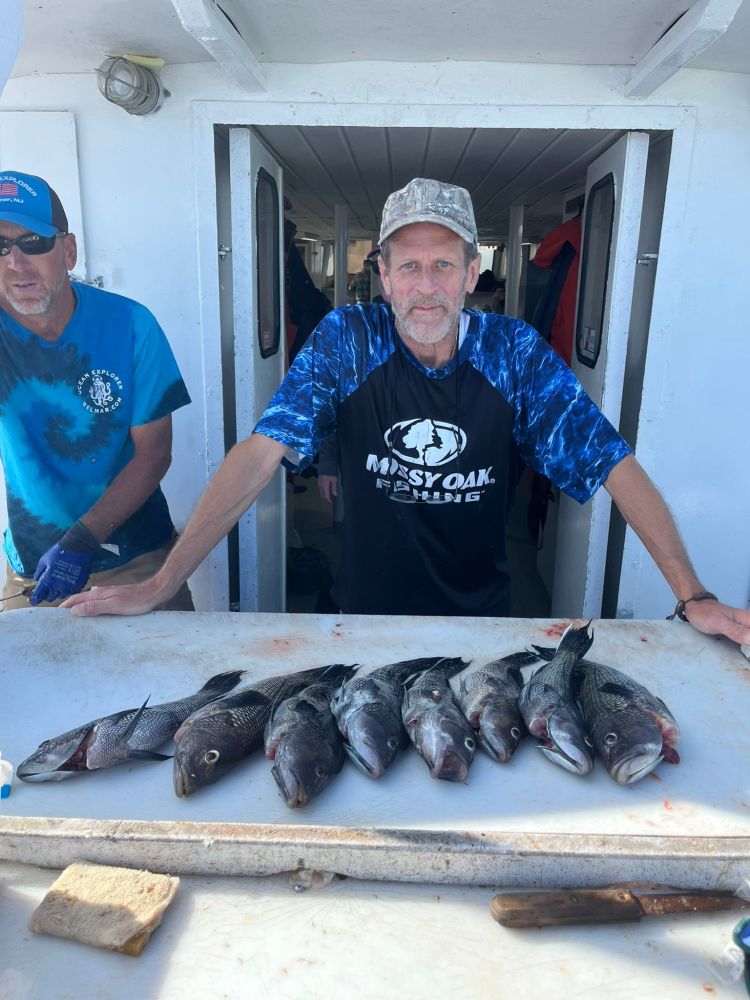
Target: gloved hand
point(64, 569)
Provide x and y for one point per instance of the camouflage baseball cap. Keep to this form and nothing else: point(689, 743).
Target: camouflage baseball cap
point(425, 200)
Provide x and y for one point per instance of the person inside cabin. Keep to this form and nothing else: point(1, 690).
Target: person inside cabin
point(88, 385)
point(359, 286)
point(425, 398)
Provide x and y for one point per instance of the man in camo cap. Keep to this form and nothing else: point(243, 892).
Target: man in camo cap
point(425, 398)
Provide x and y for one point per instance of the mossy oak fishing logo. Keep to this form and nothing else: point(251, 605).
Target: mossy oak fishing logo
point(411, 470)
point(100, 391)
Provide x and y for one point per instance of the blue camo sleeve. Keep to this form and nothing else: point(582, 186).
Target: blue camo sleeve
point(559, 430)
point(158, 388)
point(303, 410)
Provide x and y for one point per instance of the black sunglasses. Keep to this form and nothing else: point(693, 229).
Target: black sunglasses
point(31, 244)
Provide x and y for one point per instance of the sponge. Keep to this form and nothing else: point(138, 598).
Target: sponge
point(115, 908)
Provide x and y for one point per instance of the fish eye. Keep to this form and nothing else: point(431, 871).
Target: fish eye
point(436, 695)
point(393, 743)
point(515, 732)
point(589, 742)
point(470, 743)
point(211, 756)
point(320, 771)
point(610, 739)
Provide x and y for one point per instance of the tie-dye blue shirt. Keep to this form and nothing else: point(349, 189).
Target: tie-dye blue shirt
point(66, 409)
point(438, 442)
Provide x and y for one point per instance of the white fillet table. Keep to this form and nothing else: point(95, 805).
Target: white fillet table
point(528, 824)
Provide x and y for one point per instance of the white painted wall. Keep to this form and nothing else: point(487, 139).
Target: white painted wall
point(10, 37)
point(148, 209)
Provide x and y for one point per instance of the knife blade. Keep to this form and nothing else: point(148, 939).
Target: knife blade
point(563, 907)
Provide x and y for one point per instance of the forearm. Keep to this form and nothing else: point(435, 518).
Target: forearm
point(246, 470)
point(127, 492)
point(644, 509)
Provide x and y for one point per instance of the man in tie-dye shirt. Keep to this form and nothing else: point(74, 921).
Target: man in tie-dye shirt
point(88, 384)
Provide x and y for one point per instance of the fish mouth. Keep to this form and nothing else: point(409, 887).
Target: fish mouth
point(184, 782)
point(450, 768)
point(62, 762)
point(564, 745)
point(638, 763)
point(368, 762)
point(496, 747)
point(292, 790)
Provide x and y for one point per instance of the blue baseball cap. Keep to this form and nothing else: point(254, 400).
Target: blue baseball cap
point(30, 202)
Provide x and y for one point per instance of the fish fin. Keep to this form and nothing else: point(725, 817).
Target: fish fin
point(306, 708)
point(134, 722)
point(612, 687)
point(148, 755)
point(521, 659)
point(544, 652)
point(515, 673)
point(221, 683)
point(340, 671)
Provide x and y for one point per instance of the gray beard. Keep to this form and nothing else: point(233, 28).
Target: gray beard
point(421, 335)
point(30, 308)
point(25, 308)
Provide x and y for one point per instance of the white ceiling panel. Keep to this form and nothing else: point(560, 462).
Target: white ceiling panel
point(71, 36)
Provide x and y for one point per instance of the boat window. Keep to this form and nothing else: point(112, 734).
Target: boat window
point(267, 247)
point(597, 245)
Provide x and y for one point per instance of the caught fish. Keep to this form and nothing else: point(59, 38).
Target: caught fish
point(130, 735)
point(435, 723)
point(215, 737)
point(631, 728)
point(303, 740)
point(488, 698)
point(548, 706)
point(368, 712)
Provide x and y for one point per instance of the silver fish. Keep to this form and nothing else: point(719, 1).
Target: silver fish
point(632, 729)
point(368, 713)
point(130, 735)
point(214, 738)
point(304, 742)
point(435, 723)
point(488, 697)
point(548, 706)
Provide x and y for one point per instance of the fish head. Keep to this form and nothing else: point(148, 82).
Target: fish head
point(631, 746)
point(373, 740)
point(447, 744)
point(203, 754)
point(500, 732)
point(58, 758)
point(565, 743)
point(303, 766)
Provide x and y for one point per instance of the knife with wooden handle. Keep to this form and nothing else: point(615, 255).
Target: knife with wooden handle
point(561, 907)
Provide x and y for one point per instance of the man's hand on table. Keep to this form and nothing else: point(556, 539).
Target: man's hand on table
point(134, 599)
point(715, 618)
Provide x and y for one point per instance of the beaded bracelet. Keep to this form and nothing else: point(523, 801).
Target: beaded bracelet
point(679, 611)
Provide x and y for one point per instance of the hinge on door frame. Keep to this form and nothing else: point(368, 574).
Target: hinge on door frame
point(223, 250)
point(646, 258)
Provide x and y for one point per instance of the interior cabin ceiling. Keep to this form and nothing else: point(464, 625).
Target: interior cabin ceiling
point(71, 36)
point(359, 167)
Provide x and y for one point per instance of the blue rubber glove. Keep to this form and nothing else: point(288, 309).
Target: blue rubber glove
point(64, 569)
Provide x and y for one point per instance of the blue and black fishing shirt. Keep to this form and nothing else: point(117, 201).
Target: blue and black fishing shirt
point(424, 454)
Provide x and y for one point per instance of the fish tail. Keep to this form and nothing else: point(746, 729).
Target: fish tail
point(576, 640)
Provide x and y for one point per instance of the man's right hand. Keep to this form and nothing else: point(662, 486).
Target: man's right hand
point(134, 599)
point(328, 487)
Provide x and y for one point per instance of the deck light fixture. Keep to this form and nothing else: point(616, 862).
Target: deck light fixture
point(131, 84)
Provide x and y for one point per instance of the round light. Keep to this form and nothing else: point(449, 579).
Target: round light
point(134, 88)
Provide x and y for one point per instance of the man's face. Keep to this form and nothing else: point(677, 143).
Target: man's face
point(32, 286)
point(427, 280)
